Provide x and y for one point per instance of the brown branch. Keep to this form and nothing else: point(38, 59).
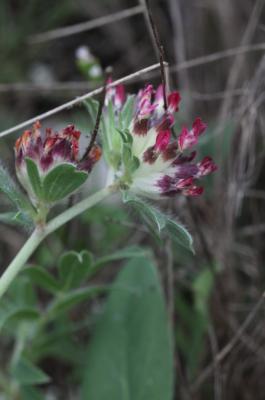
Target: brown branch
point(99, 114)
point(230, 346)
point(77, 100)
point(84, 26)
point(160, 50)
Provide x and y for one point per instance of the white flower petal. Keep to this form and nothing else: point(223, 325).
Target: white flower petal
point(142, 142)
point(147, 185)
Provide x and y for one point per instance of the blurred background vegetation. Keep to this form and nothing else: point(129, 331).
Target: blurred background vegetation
point(212, 294)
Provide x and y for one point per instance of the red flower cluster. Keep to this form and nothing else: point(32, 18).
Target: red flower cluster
point(48, 150)
point(52, 148)
point(165, 166)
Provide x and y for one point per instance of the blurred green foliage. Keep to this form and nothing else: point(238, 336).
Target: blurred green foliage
point(15, 30)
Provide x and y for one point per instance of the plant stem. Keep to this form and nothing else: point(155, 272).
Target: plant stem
point(77, 209)
point(19, 261)
point(40, 233)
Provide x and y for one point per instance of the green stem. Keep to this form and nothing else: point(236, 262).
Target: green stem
point(77, 209)
point(19, 261)
point(40, 233)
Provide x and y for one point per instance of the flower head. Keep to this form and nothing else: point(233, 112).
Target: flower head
point(38, 155)
point(152, 162)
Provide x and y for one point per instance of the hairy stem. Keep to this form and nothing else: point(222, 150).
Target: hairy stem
point(19, 261)
point(41, 233)
point(78, 208)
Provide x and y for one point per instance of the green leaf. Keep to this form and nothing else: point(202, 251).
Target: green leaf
point(125, 135)
point(74, 268)
point(128, 252)
point(61, 181)
point(30, 393)
point(16, 314)
point(42, 278)
point(203, 286)
point(61, 346)
point(130, 354)
point(153, 217)
point(135, 163)
point(190, 333)
point(8, 186)
point(67, 301)
point(111, 141)
point(110, 131)
point(13, 218)
point(126, 113)
point(92, 108)
point(127, 156)
point(180, 234)
point(158, 222)
point(111, 118)
point(26, 373)
point(130, 162)
point(22, 292)
point(193, 320)
point(34, 177)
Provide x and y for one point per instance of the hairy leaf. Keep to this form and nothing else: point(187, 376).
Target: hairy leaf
point(159, 222)
point(61, 181)
point(8, 187)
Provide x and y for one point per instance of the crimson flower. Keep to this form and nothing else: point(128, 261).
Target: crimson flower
point(162, 165)
point(40, 154)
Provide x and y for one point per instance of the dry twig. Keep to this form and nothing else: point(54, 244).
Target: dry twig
point(84, 26)
point(230, 346)
point(78, 100)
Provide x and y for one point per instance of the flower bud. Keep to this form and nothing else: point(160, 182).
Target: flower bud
point(190, 138)
point(48, 164)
